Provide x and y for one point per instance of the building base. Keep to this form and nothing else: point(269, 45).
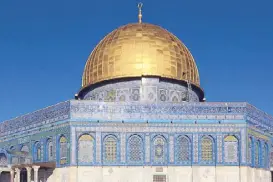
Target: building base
point(160, 174)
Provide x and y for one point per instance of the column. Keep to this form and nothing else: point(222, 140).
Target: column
point(17, 170)
point(11, 175)
point(35, 168)
point(28, 174)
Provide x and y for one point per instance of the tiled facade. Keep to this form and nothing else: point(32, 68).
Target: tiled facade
point(74, 118)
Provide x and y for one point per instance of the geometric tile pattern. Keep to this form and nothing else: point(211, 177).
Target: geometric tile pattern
point(152, 90)
point(157, 143)
point(195, 148)
point(135, 149)
point(207, 149)
point(110, 145)
point(3, 160)
point(219, 148)
point(165, 120)
point(183, 151)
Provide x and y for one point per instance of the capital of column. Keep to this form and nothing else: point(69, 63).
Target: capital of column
point(35, 168)
point(28, 168)
point(17, 170)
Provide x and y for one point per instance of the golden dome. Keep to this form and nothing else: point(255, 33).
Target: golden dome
point(140, 49)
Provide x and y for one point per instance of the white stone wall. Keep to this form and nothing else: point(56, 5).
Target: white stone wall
point(145, 174)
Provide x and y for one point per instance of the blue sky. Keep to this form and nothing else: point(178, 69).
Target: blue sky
point(44, 46)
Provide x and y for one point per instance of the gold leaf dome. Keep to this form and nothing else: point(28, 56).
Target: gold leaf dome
point(140, 49)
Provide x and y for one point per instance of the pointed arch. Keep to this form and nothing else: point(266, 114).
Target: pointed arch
point(63, 150)
point(159, 152)
point(271, 156)
point(257, 153)
point(86, 144)
point(250, 156)
point(183, 148)
point(25, 149)
point(37, 151)
point(207, 149)
point(110, 148)
point(49, 151)
point(3, 160)
point(231, 145)
point(135, 149)
point(265, 155)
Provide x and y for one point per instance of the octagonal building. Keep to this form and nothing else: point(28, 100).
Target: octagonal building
point(140, 116)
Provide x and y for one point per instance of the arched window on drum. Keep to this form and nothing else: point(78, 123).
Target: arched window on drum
point(63, 150)
point(110, 149)
point(86, 149)
point(207, 149)
point(183, 149)
point(159, 150)
point(135, 149)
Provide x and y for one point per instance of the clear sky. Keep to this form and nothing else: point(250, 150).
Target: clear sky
point(44, 46)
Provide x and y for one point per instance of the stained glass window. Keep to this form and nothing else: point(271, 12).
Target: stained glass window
point(159, 152)
point(231, 149)
point(50, 150)
point(37, 151)
point(257, 153)
point(135, 147)
point(63, 150)
point(183, 148)
point(3, 160)
point(207, 149)
point(110, 149)
point(86, 149)
point(249, 153)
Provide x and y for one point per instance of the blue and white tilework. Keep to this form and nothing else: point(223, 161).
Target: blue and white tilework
point(150, 90)
point(157, 118)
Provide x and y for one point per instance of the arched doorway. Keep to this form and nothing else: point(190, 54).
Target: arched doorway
point(23, 175)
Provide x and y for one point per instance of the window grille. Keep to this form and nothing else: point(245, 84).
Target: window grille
point(159, 178)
